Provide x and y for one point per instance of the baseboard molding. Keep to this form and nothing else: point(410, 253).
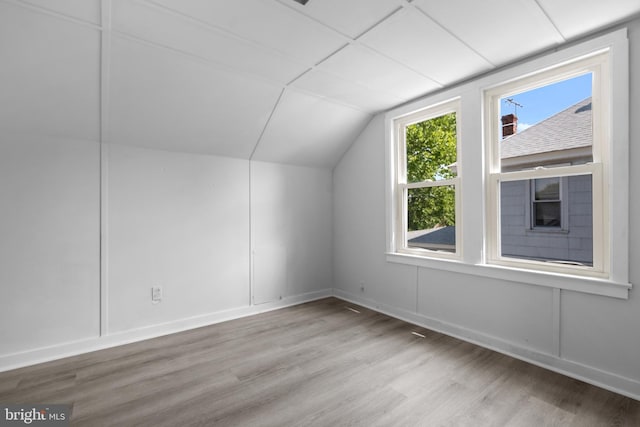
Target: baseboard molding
point(607, 380)
point(47, 354)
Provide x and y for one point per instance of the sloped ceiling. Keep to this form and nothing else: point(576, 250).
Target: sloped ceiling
point(269, 80)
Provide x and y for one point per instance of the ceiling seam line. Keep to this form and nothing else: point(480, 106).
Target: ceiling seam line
point(52, 13)
point(331, 100)
point(452, 34)
point(542, 9)
point(358, 42)
point(266, 124)
point(203, 60)
point(215, 28)
point(317, 21)
point(397, 62)
point(378, 23)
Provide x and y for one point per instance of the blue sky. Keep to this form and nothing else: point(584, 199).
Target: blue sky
point(538, 104)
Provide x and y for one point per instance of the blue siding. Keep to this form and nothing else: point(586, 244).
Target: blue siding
point(573, 243)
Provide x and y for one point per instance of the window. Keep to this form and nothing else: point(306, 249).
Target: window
point(541, 201)
point(546, 204)
point(571, 100)
point(427, 181)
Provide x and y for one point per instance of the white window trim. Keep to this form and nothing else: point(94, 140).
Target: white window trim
point(598, 64)
point(473, 259)
point(401, 185)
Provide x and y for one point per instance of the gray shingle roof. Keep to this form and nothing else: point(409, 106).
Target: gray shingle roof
point(439, 236)
point(570, 128)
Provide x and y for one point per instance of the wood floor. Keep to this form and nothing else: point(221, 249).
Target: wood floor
point(319, 364)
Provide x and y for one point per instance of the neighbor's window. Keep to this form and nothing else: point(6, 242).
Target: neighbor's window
point(427, 182)
point(546, 205)
point(545, 161)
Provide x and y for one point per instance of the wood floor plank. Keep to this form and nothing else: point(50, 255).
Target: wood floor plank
point(325, 363)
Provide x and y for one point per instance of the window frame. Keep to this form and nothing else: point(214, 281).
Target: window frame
point(597, 63)
point(402, 186)
point(533, 202)
point(472, 160)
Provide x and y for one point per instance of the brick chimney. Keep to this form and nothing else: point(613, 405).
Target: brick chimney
point(509, 125)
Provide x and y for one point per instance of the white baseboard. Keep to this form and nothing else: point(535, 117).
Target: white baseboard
point(46, 354)
point(607, 380)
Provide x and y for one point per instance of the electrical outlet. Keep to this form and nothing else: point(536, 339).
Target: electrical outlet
point(156, 294)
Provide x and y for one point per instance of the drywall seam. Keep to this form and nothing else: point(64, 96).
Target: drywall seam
point(105, 64)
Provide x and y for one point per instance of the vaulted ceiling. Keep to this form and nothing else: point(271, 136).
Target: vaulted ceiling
point(270, 80)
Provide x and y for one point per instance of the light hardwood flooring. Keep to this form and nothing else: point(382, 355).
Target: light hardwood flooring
point(318, 364)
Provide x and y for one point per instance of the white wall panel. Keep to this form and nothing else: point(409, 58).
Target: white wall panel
point(164, 100)
point(306, 130)
point(49, 242)
point(602, 332)
point(516, 20)
point(85, 10)
point(361, 65)
point(359, 230)
point(291, 217)
point(576, 17)
point(348, 92)
point(179, 221)
point(189, 35)
point(271, 24)
point(49, 77)
point(438, 55)
point(351, 17)
point(520, 314)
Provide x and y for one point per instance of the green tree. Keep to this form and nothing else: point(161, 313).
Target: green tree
point(431, 150)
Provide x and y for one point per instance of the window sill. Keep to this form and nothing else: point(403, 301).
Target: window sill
point(542, 230)
point(568, 282)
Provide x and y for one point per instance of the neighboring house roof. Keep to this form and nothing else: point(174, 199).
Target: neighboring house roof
point(439, 238)
point(570, 128)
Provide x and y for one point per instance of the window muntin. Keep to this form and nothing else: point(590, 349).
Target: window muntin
point(573, 137)
point(427, 185)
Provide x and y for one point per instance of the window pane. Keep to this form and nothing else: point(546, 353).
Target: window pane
point(550, 231)
point(547, 189)
point(432, 149)
point(547, 126)
point(431, 218)
point(547, 214)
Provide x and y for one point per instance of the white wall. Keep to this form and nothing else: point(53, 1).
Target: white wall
point(291, 212)
point(599, 338)
point(49, 242)
point(181, 221)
